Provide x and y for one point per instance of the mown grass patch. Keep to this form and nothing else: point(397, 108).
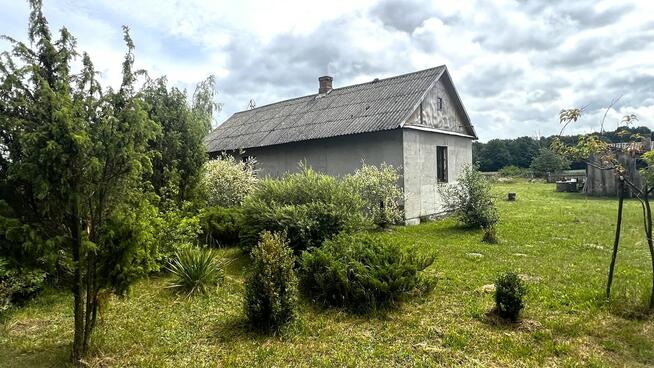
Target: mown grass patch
point(559, 243)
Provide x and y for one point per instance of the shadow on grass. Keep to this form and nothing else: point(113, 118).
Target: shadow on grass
point(630, 308)
point(493, 320)
point(238, 329)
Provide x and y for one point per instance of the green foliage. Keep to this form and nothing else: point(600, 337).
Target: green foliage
point(378, 187)
point(511, 172)
point(73, 161)
point(548, 161)
point(509, 291)
point(271, 284)
point(308, 207)
point(195, 270)
point(18, 285)
point(175, 229)
point(360, 272)
point(221, 225)
point(178, 151)
point(227, 182)
point(520, 152)
point(470, 199)
point(493, 155)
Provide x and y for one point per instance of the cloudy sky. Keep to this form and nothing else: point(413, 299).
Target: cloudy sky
point(515, 63)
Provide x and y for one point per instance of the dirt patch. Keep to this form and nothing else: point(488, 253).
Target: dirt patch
point(27, 327)
point(525, 325)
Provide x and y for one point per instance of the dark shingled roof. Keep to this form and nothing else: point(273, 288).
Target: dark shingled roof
point(374, 106)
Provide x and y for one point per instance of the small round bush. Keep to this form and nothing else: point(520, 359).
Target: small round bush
point(360, 272)
point(271, 285)
point(221, 225)
point(509, 291)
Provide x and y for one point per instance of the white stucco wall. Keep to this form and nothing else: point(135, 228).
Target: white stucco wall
point(420, 186)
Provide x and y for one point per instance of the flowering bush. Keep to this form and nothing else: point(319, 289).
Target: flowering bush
point(227, 182)
point(378, 187)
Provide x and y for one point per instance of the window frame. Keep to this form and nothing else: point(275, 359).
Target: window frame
point(442, 159)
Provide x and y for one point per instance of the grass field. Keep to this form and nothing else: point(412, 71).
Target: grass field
point(561, 243)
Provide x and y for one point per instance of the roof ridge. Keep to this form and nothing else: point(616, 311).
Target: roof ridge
point(377, 80)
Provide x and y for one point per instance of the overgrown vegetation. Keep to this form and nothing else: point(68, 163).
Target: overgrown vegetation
point(471, 202)
point(509, 294)
point(309, 207)
point(87, 171)
point(227, 182)
point(566, 318)
point(271, 285)
point(379, 189)
point(361, 272)
point(221, 225)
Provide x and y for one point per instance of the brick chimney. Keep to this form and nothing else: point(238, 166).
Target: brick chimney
point(325, 84)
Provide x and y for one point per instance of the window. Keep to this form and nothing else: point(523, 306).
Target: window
point(439, 104)
point(441, 164)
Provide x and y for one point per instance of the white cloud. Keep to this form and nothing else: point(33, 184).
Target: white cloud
point(516, 63)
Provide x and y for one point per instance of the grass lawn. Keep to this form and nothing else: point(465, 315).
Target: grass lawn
point(560, 242)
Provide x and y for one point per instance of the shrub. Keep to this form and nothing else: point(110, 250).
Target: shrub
point(221, 225)
point(195, 270)
point(548, 161)
point(174, 230)
point(509, 291)
point(227, 182)
point(378, 187)
point(511, 171)
point(18, 285)
point(271, 285)
point(308, 207)
point(470, 200)
point(361, 273)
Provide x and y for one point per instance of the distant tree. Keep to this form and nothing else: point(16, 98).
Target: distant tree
point(494, 156)
point(178, 152)
point(522, 150)
point(72, 163)
point(548, 161)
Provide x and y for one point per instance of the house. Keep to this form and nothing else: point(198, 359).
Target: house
point(415, 122)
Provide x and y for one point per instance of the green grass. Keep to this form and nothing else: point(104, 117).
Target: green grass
point(561, 242)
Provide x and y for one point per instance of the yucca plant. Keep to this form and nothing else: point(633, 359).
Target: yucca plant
point(195, 270)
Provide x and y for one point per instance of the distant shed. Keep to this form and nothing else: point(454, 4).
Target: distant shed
point(604, 182)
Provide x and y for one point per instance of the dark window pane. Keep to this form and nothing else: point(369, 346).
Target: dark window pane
point(441, 164)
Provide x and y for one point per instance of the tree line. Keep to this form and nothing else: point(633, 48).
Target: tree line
point(521, 151)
